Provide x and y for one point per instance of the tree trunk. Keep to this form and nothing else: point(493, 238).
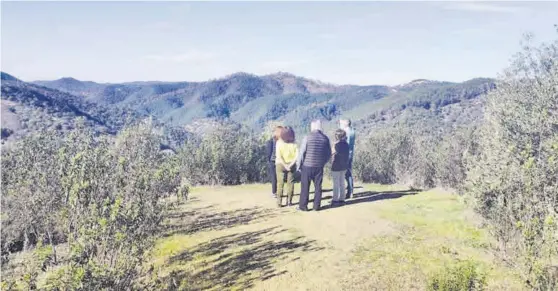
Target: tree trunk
point(26, 240)
point(51, 241)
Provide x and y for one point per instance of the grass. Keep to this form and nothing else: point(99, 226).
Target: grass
point(435, 231)
point(436, 214)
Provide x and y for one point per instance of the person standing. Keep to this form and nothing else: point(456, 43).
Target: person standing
point(345, 124)
point(339, 165)
point(271, 153)
point(315, 152)
point(285, 160)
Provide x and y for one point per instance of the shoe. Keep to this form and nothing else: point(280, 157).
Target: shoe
point(300, 209)
point(290, 204)
point(274, 195)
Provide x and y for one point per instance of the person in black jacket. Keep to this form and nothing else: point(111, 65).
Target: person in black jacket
point(314, 153)
point(271, 147)
point(339, 166)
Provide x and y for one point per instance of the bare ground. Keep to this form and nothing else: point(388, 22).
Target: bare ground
point(236, 238)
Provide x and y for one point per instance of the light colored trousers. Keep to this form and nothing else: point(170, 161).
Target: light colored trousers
point(338, 185)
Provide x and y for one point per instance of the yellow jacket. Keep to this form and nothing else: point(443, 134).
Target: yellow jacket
point(285, 153)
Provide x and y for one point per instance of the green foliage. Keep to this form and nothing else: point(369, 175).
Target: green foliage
point(5, 133)
point(464, 276)
point(102, 196)
point(513, 177)
point(39, 109)
point(31, 190)
point(412, 155)
point(228, 155)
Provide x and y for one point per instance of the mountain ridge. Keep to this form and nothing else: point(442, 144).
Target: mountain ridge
point(282, 97)
point(28, 107)
point(277, 74)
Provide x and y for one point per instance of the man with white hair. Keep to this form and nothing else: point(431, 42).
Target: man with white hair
point(314, 153)
point(345, 124)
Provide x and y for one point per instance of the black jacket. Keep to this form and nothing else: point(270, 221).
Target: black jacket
point(315, 150)
point(270, 150)
point(340, 156)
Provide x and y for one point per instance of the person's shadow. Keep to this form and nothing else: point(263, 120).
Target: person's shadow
point(371, 196)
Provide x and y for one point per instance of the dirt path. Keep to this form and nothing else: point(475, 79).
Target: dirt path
point(236, 238)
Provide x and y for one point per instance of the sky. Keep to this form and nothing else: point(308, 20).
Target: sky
point(362, 43)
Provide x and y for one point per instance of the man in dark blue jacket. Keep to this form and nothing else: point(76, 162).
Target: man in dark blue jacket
point(315, 152)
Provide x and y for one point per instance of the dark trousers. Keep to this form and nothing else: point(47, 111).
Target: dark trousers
point(311, 174)
point(349, 179)
point(272, 177)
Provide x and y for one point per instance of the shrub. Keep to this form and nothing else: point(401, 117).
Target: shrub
point(408, 155)
point(464, 276)
point(6, 132)
point(102, 196)
point(513, 179)
point(228, 155)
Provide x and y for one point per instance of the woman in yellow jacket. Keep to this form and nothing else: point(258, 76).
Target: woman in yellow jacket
point(285, 160)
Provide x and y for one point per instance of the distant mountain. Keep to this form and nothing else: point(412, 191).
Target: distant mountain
point(73, 86)
point(257, 100)
point(7, 77)
point(182, 102)
point(27, 108)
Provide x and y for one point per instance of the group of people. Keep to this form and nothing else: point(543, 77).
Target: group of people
point(286, 160)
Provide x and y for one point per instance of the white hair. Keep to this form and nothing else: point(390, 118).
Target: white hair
point(316, 125)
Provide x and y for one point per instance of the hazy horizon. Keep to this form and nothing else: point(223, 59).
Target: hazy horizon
point(360, 43)
point(225, 76)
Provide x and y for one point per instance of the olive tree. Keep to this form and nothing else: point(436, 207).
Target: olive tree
point(513, 179)
point(230, 154)
point(102, 196)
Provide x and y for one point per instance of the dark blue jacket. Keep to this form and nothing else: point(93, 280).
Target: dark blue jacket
point(315, 150)
point(340, 160)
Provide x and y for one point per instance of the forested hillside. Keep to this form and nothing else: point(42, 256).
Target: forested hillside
point(29, 109)
point(257, 100)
